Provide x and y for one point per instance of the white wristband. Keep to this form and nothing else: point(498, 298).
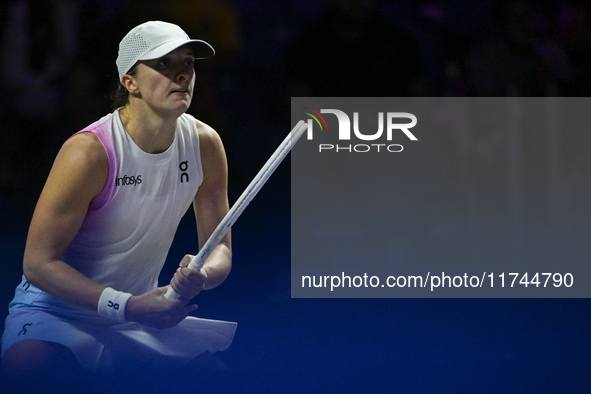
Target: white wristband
point(112, 304)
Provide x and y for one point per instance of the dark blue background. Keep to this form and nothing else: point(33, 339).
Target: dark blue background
point(340, 345)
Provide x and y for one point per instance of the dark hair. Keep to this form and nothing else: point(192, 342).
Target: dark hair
point(119, 94)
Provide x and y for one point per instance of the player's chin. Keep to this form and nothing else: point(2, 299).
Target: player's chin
point(180, 106)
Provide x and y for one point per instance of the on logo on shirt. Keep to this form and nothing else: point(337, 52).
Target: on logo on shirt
point(184, 166)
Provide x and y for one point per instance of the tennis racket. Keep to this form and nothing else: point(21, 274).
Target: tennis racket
point(244, 199)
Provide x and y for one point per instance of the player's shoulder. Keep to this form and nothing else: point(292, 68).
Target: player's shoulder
point(213, 154)
point(85, 150)
point(204, 131)
point(81, 168)
point(207, 134)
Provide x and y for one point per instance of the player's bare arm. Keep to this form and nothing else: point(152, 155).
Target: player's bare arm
point(79, 173)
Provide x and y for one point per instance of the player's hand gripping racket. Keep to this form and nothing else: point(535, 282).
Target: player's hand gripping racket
point(246, 197)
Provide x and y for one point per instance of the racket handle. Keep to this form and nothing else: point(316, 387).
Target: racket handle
point(170, 293)
point(244, 199)
point(195, 264)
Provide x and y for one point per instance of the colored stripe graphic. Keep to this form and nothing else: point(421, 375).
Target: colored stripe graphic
point(316, 119)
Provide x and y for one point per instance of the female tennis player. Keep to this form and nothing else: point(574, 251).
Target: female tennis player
point(106, 219)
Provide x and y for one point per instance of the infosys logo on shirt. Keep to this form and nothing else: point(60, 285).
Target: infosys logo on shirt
point(344, 131)
point(128, 180)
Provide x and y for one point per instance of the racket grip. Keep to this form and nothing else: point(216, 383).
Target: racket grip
point(170, 293)
point(195, 264)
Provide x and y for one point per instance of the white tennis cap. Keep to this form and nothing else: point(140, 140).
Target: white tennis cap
point(154, 39)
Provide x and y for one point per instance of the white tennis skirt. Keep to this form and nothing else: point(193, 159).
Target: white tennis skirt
point(102, 347)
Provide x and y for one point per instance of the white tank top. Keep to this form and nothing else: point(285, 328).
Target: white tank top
point(130, 225)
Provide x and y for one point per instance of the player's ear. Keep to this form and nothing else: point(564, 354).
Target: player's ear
point(129, 83)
